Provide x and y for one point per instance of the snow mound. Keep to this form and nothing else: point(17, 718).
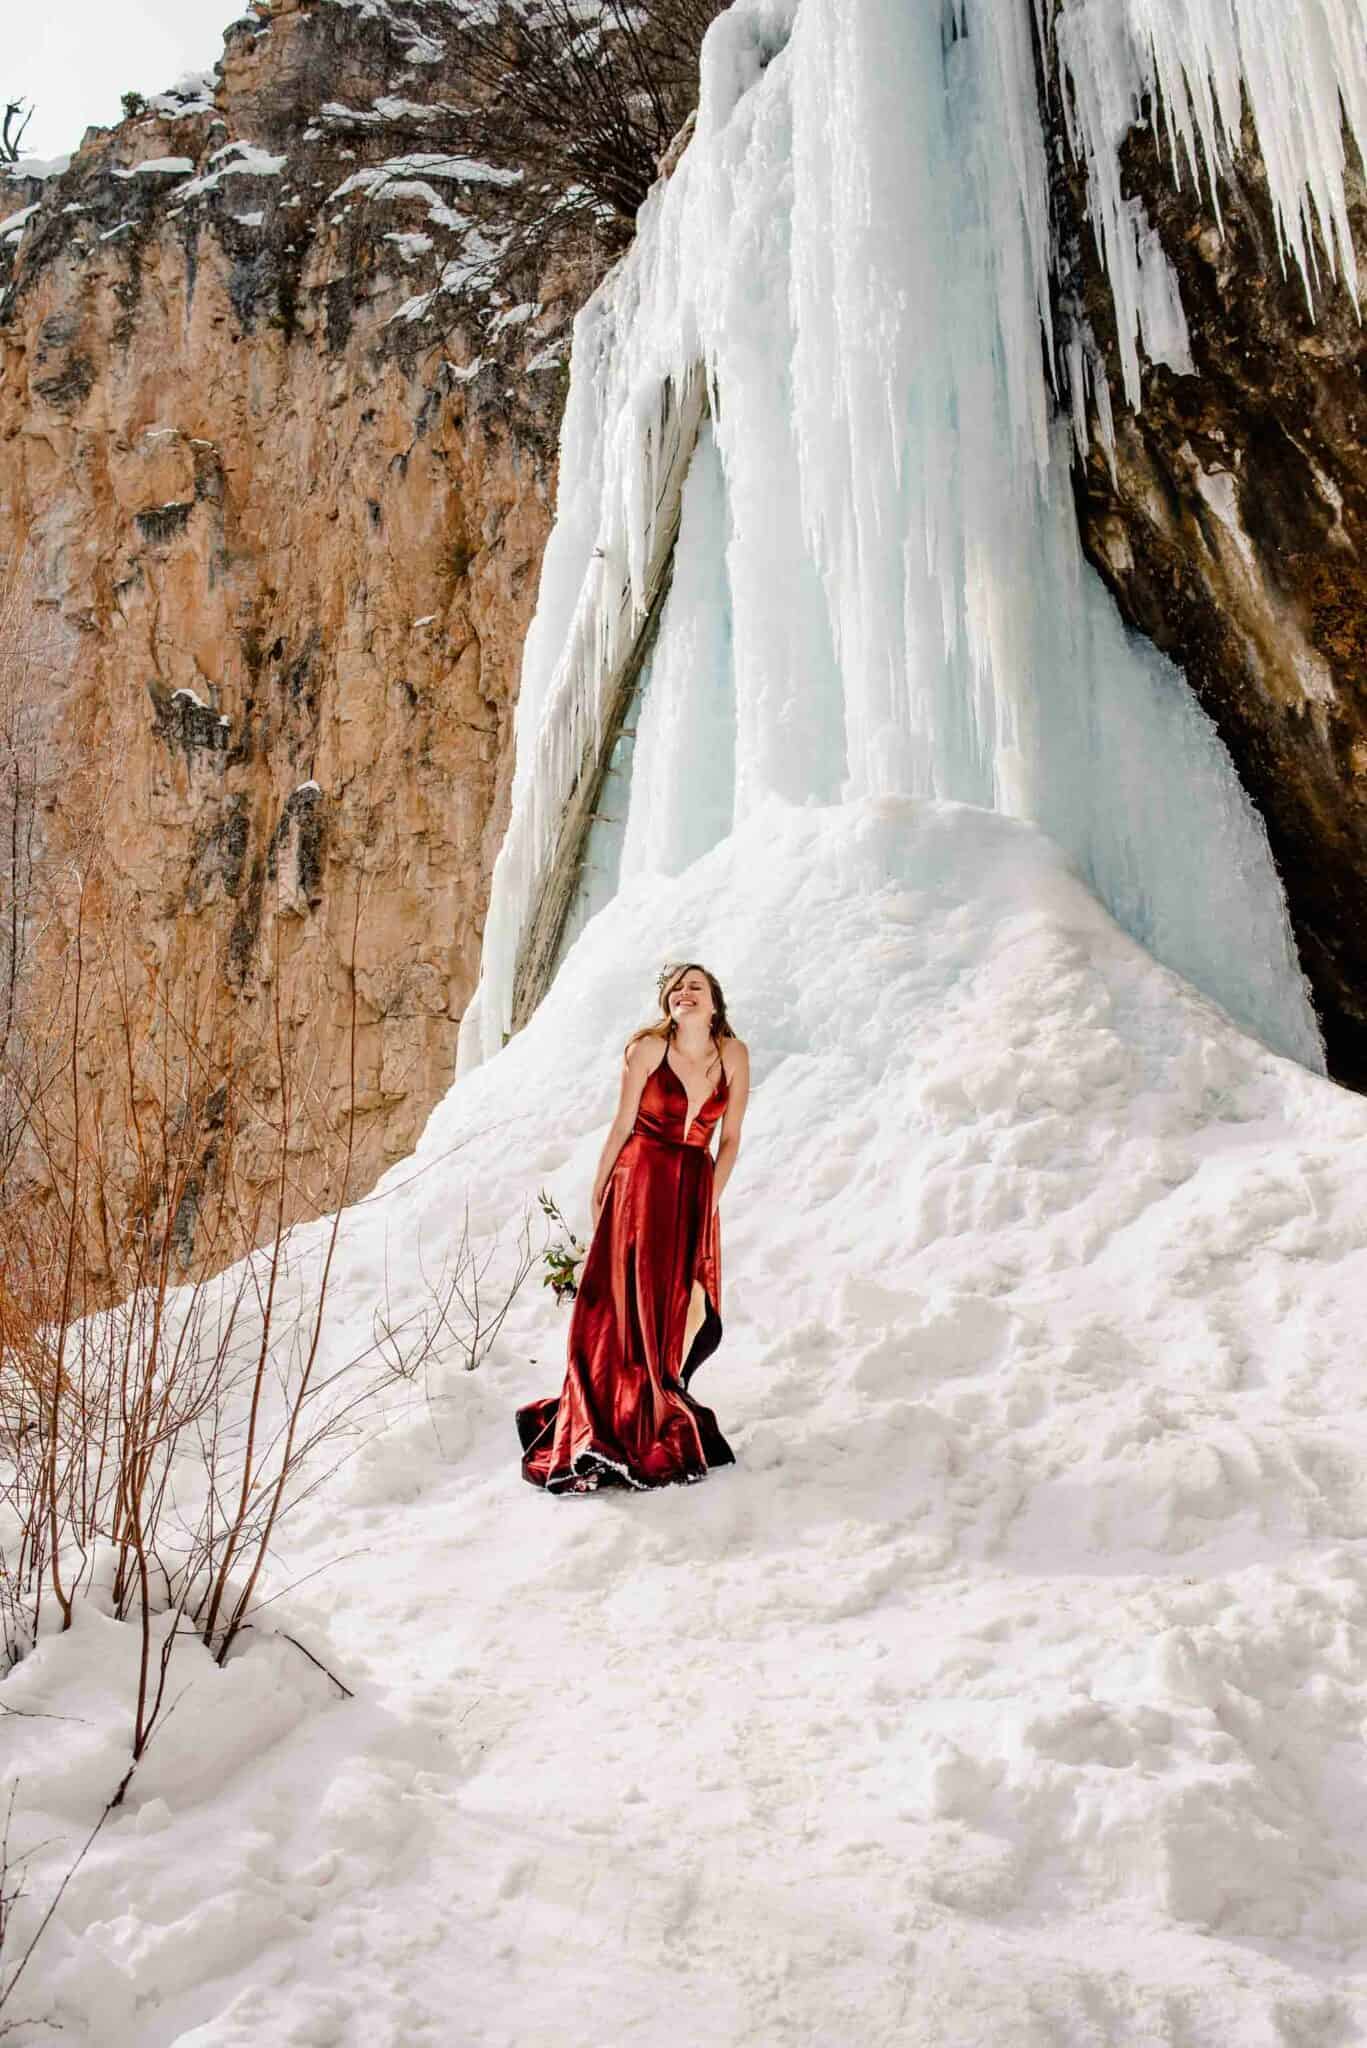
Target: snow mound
point(1010, 1687)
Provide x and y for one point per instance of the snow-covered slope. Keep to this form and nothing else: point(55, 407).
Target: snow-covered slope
point(1010, 1689)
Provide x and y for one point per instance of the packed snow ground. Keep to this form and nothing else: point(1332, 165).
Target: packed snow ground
point(1010, 1689)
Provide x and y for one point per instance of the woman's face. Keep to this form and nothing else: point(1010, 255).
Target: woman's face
point(690, 997)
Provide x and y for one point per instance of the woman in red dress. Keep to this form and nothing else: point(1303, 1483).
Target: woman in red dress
point(647, 1312)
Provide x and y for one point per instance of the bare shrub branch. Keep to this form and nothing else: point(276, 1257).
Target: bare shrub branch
point(585, 106)
point(16, 118)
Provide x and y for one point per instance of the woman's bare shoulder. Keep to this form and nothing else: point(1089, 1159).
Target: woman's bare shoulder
point(736, 1057)
point(644, 1054)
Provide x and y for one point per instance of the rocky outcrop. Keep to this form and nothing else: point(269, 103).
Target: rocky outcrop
point(277, 441)
point(1231, 525)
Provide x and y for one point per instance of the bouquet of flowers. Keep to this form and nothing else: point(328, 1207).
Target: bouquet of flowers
point(563, 1256)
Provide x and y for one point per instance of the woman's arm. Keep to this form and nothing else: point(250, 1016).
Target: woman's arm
point(733, 1116)
point(639, 1064)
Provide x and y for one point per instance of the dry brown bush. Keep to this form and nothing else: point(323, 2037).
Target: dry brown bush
point(582, 102)
point(150, 1452)
point(144, 1146)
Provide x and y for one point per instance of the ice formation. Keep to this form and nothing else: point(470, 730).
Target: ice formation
point(1189, 64)
point(856, 247)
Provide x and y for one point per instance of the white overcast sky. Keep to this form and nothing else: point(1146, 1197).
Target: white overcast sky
point(73, 58)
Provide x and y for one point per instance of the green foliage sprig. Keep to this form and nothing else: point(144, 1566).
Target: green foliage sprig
point(563, 1256)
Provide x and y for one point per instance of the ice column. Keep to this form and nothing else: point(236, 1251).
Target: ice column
point(683, 782)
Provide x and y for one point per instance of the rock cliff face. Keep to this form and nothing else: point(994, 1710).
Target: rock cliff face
point(1232, 530)
point(277, 444)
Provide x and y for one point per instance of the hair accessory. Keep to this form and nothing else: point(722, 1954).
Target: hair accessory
point(666, 975)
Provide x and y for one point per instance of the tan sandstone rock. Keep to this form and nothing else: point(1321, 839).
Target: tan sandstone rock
point(293, 534)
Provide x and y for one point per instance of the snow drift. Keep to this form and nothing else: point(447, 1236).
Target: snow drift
point(1011, 1686)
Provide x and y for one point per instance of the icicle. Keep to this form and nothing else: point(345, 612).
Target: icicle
point(1303, 67)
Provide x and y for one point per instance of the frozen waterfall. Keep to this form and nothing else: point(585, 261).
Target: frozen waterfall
point(877, 586)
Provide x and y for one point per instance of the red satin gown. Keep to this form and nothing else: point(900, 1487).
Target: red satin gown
point(624, 1416)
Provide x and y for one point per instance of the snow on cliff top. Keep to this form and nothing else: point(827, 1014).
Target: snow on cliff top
point(1010, 1688)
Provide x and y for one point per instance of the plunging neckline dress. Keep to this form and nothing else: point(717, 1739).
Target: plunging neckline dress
point(625, 1416)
